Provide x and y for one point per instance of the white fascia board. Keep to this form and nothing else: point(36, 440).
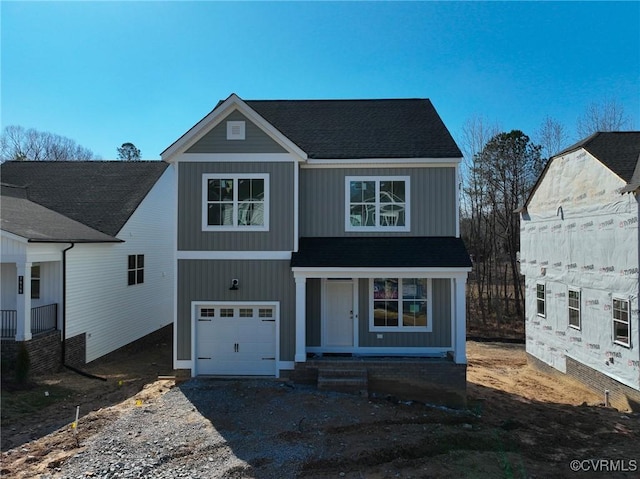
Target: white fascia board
point(216, 116)
point(238, 157)
point(14, 237)
point(377, 272)
point(234, 255)
point(383, 162)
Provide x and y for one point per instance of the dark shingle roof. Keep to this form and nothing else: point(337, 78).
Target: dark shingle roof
point(617, 150)
point(34, 222)
point(99, 194)
point(381, 252)
point(351, 129)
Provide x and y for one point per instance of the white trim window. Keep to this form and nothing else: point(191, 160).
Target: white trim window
point(621, 323)
point(235, 202)
point(376, 203)
point(400, 304)
point(574, 305)
point(541, 299)
point(35, 281)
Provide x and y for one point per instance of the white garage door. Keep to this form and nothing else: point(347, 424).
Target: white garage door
point(236, 339)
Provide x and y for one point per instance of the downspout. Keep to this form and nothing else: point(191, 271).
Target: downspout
point(64, 319)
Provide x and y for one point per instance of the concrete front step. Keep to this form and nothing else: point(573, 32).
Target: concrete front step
point(353, 381)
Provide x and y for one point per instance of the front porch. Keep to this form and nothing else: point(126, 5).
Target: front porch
point(426, 380)
point(43, 319)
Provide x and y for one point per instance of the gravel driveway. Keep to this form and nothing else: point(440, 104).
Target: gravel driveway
point(208, 428)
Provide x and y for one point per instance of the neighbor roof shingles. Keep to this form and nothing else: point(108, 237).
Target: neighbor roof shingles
point(617, 150)
point(100, 194)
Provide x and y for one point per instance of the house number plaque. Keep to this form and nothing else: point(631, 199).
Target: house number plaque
point(20, 284)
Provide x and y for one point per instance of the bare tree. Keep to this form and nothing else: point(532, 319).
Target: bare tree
point(552, 137)
point(20, 144)
point(128, 152)
point(606, 116)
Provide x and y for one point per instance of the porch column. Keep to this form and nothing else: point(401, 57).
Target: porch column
point(460, 320)
point(301, 320)
point(23, 302)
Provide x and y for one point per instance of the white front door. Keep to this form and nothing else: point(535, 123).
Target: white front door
point(338, 313)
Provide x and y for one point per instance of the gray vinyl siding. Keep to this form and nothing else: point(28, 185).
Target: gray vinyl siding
point(432, 202)
point(281, 202)
point(201, 280)
point(256, 140)
point(440, 336)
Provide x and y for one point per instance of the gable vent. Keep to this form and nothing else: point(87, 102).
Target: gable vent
point(235, 130)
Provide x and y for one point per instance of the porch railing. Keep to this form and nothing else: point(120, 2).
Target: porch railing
point(43, 319)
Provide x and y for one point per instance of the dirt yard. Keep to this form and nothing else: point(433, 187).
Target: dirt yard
point(520, 423)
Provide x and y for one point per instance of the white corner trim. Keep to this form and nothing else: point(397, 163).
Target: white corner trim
point(234, 255)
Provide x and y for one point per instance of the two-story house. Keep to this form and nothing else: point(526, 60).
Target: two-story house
point(311, 229)
point(86, 257)
point(579, 253)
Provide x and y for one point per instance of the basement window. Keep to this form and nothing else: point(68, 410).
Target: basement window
point(621, 327)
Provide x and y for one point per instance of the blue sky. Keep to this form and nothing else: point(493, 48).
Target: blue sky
point(105, 73)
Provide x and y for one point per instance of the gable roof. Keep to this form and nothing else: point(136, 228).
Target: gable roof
point(381, 252)
point(100, 194)
point(619, 151)
point(36, 223)
point(350, 129)
point(341, 129)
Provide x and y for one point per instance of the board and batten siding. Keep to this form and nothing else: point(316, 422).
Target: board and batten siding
point(432, 202)
point(281, 207)
point(100, 302)
point(256, 140)
point(440, 336)
point(210, 280)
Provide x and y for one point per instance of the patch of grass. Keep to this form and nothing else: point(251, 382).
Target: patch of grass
point(18, 402)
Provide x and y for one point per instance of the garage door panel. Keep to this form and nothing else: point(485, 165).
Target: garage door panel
point(237, 345)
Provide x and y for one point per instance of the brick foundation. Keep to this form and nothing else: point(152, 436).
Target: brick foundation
point(75, 350)
point(621, 397)
point(44, 353)
point(433, 381)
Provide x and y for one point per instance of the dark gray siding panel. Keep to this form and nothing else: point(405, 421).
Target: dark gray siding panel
point(200, 280)
point(439, 337)
point(256, 140)
point(313, 312)
point(281, 199)
point(433, 200)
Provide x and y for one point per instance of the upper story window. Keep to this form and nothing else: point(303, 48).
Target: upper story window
point(135, 269)
point(235, 202)
point(377, 203)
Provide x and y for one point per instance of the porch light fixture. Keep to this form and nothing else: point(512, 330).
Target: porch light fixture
point(234, 284)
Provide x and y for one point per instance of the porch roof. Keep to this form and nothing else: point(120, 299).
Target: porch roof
point(36, 223)
point(381, 252)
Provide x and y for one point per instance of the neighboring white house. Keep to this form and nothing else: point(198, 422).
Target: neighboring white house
point(579, 253)
point(87, 254)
